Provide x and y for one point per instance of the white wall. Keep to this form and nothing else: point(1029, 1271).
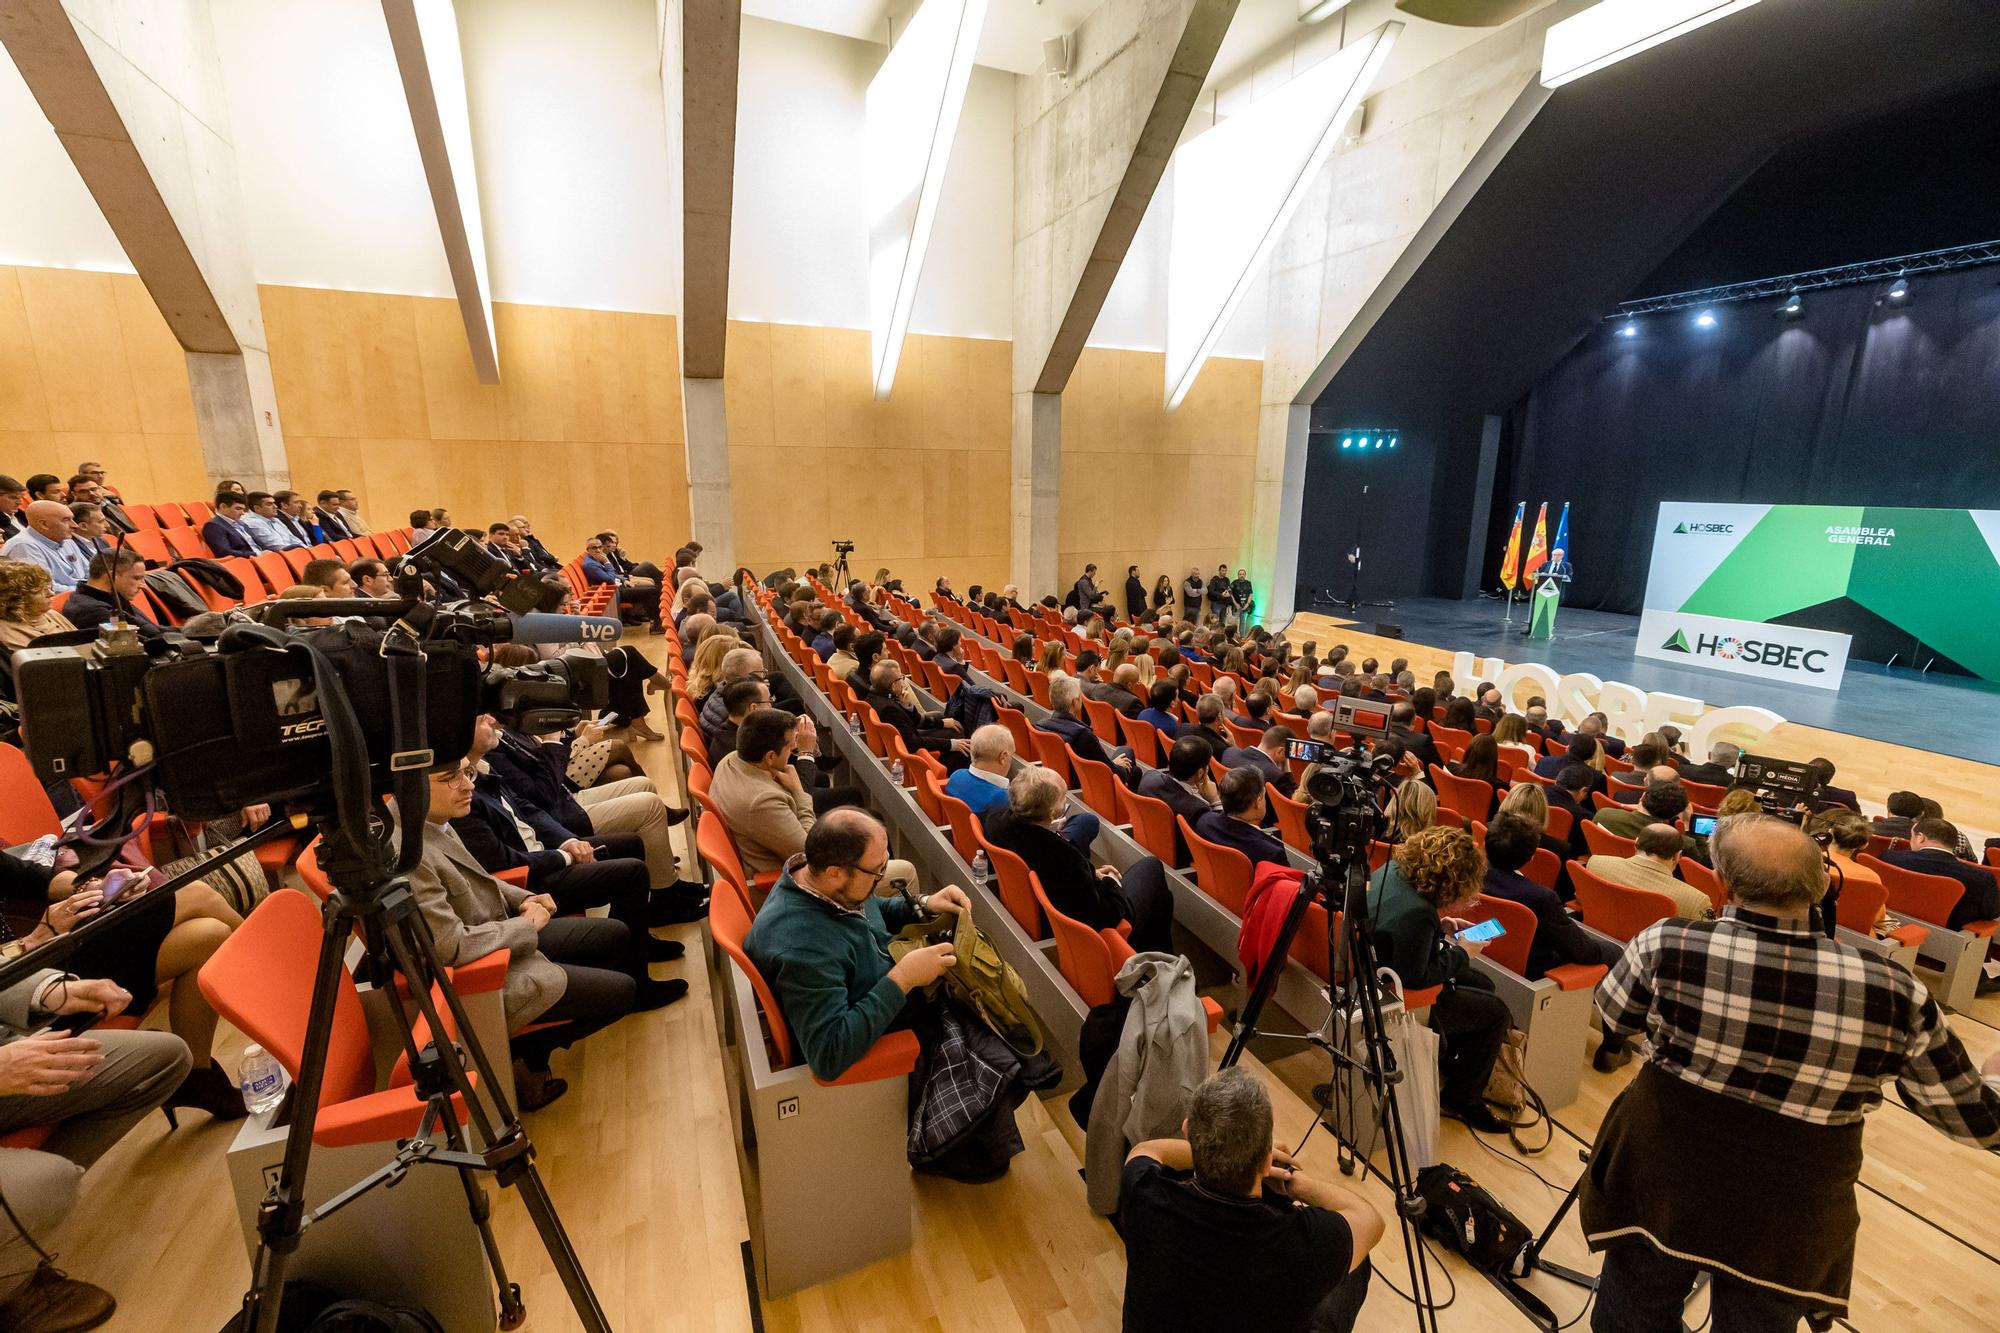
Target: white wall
point(48, 220)
point(333, 189)
point(1135, 310)
point(799, 245)
point(570, 135)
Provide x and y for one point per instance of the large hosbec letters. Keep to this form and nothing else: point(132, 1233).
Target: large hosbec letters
point(1630, 711)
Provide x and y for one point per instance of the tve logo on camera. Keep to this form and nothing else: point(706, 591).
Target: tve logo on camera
point(1745, 647)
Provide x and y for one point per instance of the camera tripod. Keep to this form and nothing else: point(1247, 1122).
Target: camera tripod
point(395, 936)
point(1341, 835)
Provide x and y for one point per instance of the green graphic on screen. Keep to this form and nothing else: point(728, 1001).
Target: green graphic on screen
point(1931, 573)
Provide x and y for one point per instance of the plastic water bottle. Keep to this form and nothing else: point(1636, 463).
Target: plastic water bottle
point(896, 771)
point(854, 726)
point(982, 871)
point(262, 1079)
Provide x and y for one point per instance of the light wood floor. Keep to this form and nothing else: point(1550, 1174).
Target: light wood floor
point(643, 1160)
point(1968, 791)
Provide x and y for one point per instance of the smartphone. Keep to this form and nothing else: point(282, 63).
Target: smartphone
point(1489, 929)
point(1703, 826)
point(116, 883)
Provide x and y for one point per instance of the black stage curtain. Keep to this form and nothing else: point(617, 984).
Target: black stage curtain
point(1858, 402)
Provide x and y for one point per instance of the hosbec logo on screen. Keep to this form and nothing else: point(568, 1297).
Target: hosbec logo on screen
point(1758, 652)
point(1705, 527)
point(1839, 536)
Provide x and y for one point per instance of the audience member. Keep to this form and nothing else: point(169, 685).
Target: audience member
point(1719, 771)
point(1412, 809)
point(46, 543)
point(1098, 896)
point(330, 513)
point(1583, 752)
point(822, 942)
point(1199, 1215)
point(1122, 693)
point(12, 496)
point(1844, 833)
point(1822, 772)
point(1511, 842)
point(1235, 823)
point(27, 605)
point(1434, 872)
point(48, 486)
point(265, 529)
point(106, 594)
point(760, 795)
point(1403, 731)
point(1905, 808)
point(1184, 783)
point(1768, 1078)
point(895, 701)
point(1664, 801)
point(1066, 720)
point(1933, 851)
point(1651, 867)
point(225, 533)
point(1269, 757)
point(87, 528)
point(1159, 710)
point(638, 601)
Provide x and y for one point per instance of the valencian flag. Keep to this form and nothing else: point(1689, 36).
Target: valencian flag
point(1561, 543)
point(1510, 562)
point(1538, 549)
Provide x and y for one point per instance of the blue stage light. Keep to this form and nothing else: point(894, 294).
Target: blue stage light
point(1393, 439)
point(1347, 443)
point(1704, 320)
point(1628, 329)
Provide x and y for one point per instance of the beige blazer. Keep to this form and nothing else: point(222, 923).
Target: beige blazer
point(768, 822)
point(471, 914)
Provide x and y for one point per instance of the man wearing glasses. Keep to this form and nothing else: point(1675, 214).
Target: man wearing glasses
point(822, 941)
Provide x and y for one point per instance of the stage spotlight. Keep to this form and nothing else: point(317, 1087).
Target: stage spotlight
point(1899, 290)
point(1393, 439)
point(1378, 441)
point(1705, 320)
point(1629, 329)
point(1794, 305)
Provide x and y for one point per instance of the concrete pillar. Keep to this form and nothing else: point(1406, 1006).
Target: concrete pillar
point(711, 500)
point(1370, 218)
point(710, 34)
point(134, 91)
point(1037, 502)
point(1089, 150)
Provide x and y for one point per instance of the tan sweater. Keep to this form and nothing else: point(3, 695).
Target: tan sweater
point(1643, 872)
point(769, 823)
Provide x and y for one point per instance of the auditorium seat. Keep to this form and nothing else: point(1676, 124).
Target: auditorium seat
point(1050, 751)
point(1291, 817)
point(1141, 736)
point(1099, 787)
point(1222, 872)
point(277, 575)
point(1614, 910)
point(1603, 842)
point(1695, 873)
point(1705, 797)
point(298, 558)
point(1601, 801)
point(186, 543)
point(197, 512)
point(1153, 825)
point(1471, 797)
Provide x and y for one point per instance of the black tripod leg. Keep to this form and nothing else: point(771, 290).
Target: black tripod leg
point(1535, 1261)
point(410, 944)
point(1267, 977)
point(512, 1312)
point(280, 1215)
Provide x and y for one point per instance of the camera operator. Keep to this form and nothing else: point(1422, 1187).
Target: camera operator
point(1435, 870)
point(1222, 1229)
point(1776, 1040)
point(91, 1089)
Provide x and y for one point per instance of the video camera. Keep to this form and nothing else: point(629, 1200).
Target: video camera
point(245, 720)
point(1785, 787)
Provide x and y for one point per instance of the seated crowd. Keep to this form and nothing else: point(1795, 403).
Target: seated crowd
point(1552, 804)
point(548, 841)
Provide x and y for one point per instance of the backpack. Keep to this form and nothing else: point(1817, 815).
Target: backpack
point(981, 980)
point(1464, 1218)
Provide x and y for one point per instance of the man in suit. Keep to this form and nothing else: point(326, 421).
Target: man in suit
point(1207, 727)
point(1122, 693)
point(106, 594)
point(565, 972)
point(539, 554)
point(1184, 783)
point(1403, 732)
point(895, 702)
point(505, 831)
point(1570, 790)
point(1930, 853)
point(292, 514)
point(264, 527)
point(1582, 749)
point(1719, 771)
point(1099, 897)
point(1066, 720)
point(331, 517)
point(225, 533)
point(1135, 594)
point(533, 768)
point(1235, 824)
point(1268, 758)
point(1905, 809)
point(12, 496)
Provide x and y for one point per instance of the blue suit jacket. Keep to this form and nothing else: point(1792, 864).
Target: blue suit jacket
point(534, 773)
point(1253, 842)
point(488, 832)
point(226, 538)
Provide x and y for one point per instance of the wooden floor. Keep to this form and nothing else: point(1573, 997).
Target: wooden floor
point(1968, 791)
point(643, 1160)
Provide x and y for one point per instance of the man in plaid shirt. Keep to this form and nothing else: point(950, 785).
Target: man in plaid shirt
point(1741, 1135)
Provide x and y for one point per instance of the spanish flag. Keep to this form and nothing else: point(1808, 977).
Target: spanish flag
point(1510, 563)
point(1538, 549)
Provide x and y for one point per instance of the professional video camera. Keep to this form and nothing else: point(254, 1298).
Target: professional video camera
point(327, 723)
point(239, 721)
point(1785, 787)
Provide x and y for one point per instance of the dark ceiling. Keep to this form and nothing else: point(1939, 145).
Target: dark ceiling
point(1604, 185)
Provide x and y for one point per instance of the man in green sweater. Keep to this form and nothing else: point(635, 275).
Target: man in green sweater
point(822, 941)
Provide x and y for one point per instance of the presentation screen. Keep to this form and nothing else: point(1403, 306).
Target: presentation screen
point(1921, 585)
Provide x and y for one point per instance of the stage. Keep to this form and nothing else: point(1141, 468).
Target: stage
point(1886, 728)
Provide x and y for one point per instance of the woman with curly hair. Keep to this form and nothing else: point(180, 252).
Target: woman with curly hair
point(26, 611)
point(1438, 871)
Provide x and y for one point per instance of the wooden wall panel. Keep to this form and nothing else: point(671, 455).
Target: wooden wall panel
point(1164, 490)
point(88, 370)
point(583, 433)
point(918, 483)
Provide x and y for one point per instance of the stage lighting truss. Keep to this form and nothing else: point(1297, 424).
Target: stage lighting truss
point(1790, 285)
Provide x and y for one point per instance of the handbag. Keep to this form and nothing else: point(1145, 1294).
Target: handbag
point(1507, 1090)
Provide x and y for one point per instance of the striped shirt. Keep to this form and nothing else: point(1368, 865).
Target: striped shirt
point(1778, 1015)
